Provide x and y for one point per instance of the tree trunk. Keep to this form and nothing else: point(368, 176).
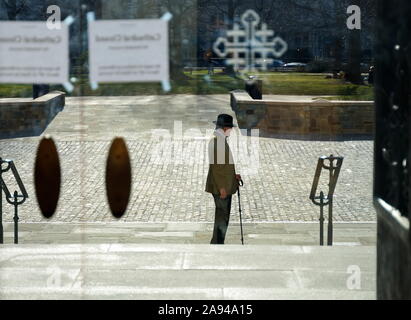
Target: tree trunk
point(176, 61)
point(229, 70)
point(353, 73)
point(338, 44)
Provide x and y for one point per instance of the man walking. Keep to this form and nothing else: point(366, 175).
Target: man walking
point(222, 181)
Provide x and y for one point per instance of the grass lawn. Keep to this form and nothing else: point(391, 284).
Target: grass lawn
point(15, 91)
point(199, 82)
point(314, 84)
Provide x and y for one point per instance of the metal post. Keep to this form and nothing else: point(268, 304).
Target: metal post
point(330, 207)
point(239, 209)
point(1, 208)
point(321, 218)
point(330, 222)
point(1, 198)
point(13, 200)
point(16, 218)
point(334, 172)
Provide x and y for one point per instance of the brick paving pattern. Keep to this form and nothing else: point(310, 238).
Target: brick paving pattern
point(175, 192)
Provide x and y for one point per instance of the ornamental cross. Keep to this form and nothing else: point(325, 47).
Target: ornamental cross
point(250, 49)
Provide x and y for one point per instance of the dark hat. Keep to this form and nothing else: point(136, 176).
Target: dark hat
point(224, 120)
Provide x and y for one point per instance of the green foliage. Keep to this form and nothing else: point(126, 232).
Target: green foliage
point(15, 91)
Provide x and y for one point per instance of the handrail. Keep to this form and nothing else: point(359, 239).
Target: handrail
point(11, 199)
point(334, 171)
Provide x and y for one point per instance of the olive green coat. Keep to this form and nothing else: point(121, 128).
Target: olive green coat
point(221, 172)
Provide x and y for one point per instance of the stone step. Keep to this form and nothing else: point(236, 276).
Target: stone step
point(173, 271)
point(280, 233)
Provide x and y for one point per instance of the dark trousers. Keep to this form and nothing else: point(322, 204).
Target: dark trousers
point(221, 219)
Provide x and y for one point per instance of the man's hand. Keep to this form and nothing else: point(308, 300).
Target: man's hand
point(238, 177)
point(223, 193)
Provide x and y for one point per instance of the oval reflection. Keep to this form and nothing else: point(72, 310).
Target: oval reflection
point(47, 177)
point(118, 177)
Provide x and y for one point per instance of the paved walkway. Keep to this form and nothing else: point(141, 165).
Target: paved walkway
point(124, 271)
point(278, 174)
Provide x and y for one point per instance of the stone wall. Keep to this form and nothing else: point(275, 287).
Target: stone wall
point(22, 117)
point(320, 118)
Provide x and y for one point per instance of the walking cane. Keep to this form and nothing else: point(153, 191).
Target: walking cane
point(241, 183)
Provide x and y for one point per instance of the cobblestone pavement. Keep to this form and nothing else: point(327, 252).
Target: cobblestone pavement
point(276, 190)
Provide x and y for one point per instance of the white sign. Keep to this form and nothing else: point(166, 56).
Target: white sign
point(32, 53)
point(128, 50)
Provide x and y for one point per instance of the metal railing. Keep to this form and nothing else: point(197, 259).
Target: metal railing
point(322, 200)
point(14, 199)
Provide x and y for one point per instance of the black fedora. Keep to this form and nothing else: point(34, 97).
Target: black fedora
point(224, 120)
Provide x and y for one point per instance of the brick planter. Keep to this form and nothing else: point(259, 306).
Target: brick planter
point(22, 117)
point(320, 118)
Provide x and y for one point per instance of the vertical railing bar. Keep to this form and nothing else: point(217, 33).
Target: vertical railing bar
point(16, 218)
point(321, 218)
point(334, 172)
point(15, 202)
